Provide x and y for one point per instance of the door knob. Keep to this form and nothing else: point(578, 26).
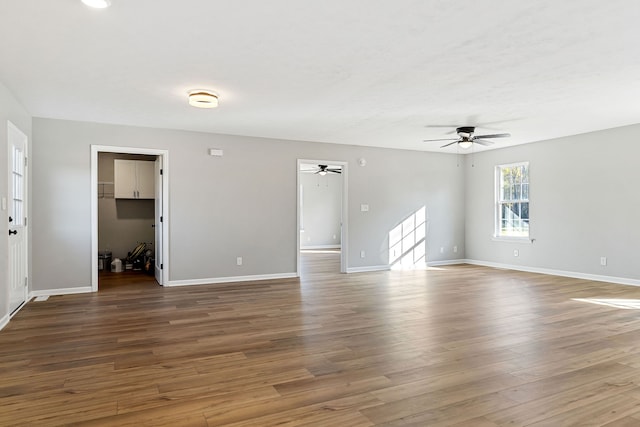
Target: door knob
point(13, 232)
point(10, 219)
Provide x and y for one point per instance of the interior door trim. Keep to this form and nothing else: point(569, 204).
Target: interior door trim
point(95, 149)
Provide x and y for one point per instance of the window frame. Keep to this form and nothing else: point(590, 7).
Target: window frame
point(498, 202)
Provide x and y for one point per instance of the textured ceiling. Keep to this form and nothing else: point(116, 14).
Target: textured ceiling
point(366, 72)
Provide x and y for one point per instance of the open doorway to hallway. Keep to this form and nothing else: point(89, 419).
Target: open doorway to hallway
point(321, 209)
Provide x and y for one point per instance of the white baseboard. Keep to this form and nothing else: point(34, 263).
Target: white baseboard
point(446, 262)
point(562, 273)
point(388, 267)
point(4, 321)
point(368, 268)
point(230, 279)
point(313, 247)
point(61, 291)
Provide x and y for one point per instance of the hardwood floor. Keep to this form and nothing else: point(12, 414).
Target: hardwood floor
point(456, 346)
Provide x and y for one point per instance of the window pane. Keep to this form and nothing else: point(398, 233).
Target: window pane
point(525, 211)
point(509, 177)
point(525, 191)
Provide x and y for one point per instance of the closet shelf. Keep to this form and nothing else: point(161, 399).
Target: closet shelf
point(105, 190)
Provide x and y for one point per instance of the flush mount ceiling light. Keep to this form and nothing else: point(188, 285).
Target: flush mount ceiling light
point(203, 99)
point(98, 4)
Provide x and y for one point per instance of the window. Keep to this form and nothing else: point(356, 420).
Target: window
point(512, 200)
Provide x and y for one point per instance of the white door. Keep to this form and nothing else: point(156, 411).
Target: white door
point(159, 219)
point(17, 217)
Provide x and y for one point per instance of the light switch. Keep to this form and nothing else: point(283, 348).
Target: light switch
point(364, 208)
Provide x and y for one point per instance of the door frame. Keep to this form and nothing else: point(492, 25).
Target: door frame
point(344, 216)
point(95, 150)
point(12, 128)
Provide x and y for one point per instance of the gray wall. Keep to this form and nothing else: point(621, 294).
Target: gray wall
point(583, 201)
point(321, 209)
point(12, 110)
point(242, 204)
point(584, 204)
point(122, 223)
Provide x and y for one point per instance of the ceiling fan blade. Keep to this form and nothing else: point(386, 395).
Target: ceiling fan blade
point(452, 127)
point(482, 142)
point(444, 139)
point(495, 135)
point(334, 171)
point(451, 143)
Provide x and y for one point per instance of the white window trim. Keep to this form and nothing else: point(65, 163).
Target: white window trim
point(496, 205)
point(513, 239)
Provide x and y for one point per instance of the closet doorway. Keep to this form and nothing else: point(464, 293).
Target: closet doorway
point(129, 221)
point(321, 211)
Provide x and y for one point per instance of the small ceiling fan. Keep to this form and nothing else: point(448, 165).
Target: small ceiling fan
point(466, 138)
point(324, 169)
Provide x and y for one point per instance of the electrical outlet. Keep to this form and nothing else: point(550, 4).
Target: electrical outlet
point(334, 237)
point(603, 260)
point(455, 249)
point(361, 254)
point(516, 252)
point(239, 260)
point(441, 249)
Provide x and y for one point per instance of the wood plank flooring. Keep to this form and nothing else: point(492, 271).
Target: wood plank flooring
point(456, 346)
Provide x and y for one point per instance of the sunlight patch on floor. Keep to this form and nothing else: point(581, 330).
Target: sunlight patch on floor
point(625, 304)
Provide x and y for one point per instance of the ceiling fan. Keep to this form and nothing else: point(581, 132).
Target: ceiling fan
point(466, 138)
point(324, 169)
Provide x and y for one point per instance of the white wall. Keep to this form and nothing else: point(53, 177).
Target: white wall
point(584, 204)
point(321, 210)
point(242, 204)
point(12, 110)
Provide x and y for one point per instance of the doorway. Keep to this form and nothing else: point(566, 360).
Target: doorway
point(17, 209)
point(143, 175)
point(322, 212)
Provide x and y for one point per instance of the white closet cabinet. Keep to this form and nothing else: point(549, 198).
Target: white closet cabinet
point(133, 179)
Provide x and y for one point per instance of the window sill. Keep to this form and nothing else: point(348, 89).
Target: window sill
point(508, 239)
